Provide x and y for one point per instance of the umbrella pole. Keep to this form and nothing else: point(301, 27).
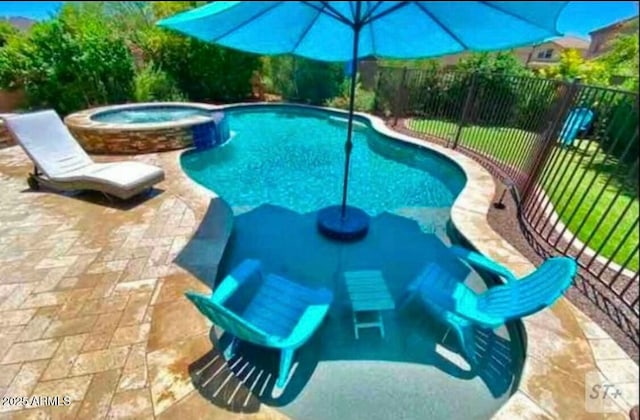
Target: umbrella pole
point(349, 144)
point(344, 222)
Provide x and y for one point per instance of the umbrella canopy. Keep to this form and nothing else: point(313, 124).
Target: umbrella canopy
point(348, 30)
point(324, 30)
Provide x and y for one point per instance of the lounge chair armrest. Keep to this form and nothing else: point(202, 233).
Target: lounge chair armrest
point(480, 261)
point(306, 326)
point(245, 272)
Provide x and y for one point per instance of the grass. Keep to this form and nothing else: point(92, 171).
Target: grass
point(502, 143)
point(582, 200)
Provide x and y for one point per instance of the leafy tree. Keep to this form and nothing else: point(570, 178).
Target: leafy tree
point(501, 63)
point(6, 31)
point(71, 62)
point(622, 58)
point(364, 99)
point(301, 79)
point(10, 44)
point(426, 64)
point(89, 53)
point(153, 84)
point(203, 71)
point(572, 66)
point(492, 78)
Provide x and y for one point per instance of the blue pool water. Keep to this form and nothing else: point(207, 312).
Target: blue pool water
point(295, 159)
point(281, 166)
point(148, 114)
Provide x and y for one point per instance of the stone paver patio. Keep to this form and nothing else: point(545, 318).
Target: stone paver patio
point(92, 304)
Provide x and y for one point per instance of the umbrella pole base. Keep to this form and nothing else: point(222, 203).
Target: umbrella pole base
point(352, 227)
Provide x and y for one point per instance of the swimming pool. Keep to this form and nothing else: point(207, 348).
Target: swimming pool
point(282, 166)
point(295, 159)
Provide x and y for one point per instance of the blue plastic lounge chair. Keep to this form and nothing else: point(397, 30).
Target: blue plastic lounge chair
point(461, 308)
point(579, 119)
point(281, 314)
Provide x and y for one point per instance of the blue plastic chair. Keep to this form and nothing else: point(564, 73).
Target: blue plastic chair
point(462, 308)
point(579, 119)
point(281, 314)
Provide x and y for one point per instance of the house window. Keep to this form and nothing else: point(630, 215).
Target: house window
point(546, 54)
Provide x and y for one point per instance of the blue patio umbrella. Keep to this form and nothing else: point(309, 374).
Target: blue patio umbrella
point(347, 30)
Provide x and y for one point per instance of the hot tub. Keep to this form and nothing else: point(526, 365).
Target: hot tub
point(147, 127)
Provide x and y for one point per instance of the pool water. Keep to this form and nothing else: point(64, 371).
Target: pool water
point(295, 159)
point(280, 168)
point(149, 114)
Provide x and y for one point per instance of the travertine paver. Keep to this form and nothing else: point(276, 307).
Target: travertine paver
point(131, 404)
point(32, 350)
point(92, 303)
point(134, 374)
point(99, 395)
point(100, 360)
point(25, 380)
point(75, 387)
point(20, 317)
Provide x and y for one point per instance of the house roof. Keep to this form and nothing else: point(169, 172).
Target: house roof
point(19, 22)
point(572, 42)
point(613, 25)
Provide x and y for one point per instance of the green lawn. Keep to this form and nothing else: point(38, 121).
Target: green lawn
point(566, 191)
point(498, 142)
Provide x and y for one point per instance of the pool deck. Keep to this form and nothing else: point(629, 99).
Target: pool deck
point(92, 304)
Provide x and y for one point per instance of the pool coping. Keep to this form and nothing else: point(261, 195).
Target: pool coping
point(566, 346)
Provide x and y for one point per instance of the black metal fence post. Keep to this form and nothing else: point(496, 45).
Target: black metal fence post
point(401, 96)
point(549, 138)
point(378, 83)
point(466, 108)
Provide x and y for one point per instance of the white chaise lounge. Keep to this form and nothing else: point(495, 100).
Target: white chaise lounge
point(62, 164)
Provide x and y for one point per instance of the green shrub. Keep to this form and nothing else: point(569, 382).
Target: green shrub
point(616, 127)
point(622, 57)
point(388, 82)
point(494, 80)
point(7, 31)
point(302, 80)
point(364, 99)
point(435, 94)
point(429, 92)
point(535, 101)
point(153, 84)
point(203, 71)
point(85, 57)
point(11, 61)
point(572, 65)
point(69, 63)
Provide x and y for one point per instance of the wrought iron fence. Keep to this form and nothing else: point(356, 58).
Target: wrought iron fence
point(570, 151)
